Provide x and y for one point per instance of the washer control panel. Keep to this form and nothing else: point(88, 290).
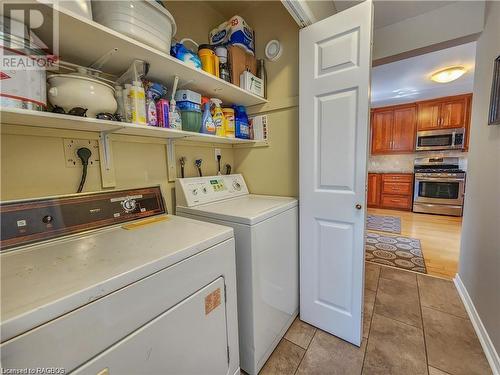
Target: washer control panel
point(199, 190)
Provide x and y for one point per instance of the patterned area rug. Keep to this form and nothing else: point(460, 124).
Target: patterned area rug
point(391, 224)
point(396, 251)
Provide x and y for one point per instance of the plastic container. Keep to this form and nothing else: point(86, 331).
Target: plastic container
point(26, 89)
point(191, 121)
point(137, 99)
point(81, 7)
point(184, 105)
point(209, 60)
point(187, 95)
point(241, 128)
point(145, 21)
point(229, 117)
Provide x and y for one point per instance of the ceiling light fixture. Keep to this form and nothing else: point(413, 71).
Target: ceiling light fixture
point(449, 74)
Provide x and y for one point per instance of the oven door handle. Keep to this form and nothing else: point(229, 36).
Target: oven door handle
point(437, 179)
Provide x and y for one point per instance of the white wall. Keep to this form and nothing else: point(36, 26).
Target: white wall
point(459, 20)
point(479, 267)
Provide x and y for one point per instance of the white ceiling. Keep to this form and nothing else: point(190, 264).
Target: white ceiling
point(409, 80)
point(389, 12)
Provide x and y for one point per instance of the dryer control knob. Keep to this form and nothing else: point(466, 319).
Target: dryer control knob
point(236, 185)
point(195, 191)
point(129, 205)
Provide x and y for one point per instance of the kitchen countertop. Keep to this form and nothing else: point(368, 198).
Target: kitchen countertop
point(46, 280)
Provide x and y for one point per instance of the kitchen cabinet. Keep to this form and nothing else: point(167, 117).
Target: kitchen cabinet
point(390, 190)
point(393, 129)
point(373, 196)
point(448, 112)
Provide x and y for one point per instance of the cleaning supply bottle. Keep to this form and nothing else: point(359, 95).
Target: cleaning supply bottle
point(151, 114)
point(207, 122)
point(174, 114)
point(137, 99)
point(229, 117)
point(126, 102)
point(218, 116)
point(242, 129)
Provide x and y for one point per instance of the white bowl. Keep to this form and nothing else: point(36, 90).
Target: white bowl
point(70, 90)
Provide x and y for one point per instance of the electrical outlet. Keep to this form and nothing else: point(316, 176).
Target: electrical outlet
point(71, 146)
point(217, 153)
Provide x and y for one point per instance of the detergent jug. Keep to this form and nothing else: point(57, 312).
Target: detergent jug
point(209, 60)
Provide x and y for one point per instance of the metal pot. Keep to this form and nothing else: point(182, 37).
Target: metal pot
point(73, 90)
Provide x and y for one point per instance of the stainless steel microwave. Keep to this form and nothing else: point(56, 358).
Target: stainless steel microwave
point(444, 139)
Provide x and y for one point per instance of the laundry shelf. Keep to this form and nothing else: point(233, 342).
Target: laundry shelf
point(82, 42)
point(49, 120)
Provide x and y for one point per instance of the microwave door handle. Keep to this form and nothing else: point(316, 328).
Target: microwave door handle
point(453, 139)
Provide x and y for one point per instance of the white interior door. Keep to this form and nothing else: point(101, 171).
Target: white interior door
point(335, 63)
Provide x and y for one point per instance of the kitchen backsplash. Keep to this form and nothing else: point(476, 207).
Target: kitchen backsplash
point(404, 162)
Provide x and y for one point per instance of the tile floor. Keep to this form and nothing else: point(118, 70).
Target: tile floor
point(413, 324)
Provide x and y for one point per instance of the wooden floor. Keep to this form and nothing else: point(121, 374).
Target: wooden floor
point(438, 235)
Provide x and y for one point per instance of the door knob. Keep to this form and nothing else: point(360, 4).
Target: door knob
point(358, 206)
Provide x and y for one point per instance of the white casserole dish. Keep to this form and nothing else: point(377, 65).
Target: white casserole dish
point(72, 90)
point(144, 20)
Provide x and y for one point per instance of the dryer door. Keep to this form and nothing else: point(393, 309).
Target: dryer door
point(189, 338)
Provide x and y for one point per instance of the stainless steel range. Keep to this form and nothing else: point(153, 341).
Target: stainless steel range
point(439, 186)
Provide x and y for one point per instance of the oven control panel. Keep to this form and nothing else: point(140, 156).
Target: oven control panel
point(199, 190)
point(29, 221)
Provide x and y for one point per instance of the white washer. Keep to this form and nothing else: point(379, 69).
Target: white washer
point(154, 297)
point(266, 234)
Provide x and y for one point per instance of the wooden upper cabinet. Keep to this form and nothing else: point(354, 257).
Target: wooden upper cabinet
point(393, 129)
point(453, 113)
point(429, 115)
point(449, 112)
point(382, 131)
point(403, 131)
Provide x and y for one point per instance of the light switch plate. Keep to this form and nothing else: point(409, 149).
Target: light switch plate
point(71, 146)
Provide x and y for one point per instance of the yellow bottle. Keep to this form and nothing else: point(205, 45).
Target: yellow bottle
point(218, 117)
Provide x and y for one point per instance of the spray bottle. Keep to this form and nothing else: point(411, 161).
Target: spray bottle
point(174, 115)
point(219, 119)
point(207, 122)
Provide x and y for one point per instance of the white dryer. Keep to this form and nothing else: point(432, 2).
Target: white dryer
point(266, 235)
point(126, 290)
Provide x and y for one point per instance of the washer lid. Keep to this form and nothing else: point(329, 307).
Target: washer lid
point(43, 281)
point(248, 209)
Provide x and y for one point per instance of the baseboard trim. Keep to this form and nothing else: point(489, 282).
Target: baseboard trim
point(482, 334)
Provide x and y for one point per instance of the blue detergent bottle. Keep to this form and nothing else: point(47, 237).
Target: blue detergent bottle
point(207, 121)
point(241, 127)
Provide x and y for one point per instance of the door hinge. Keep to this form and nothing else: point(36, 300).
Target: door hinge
point(228, 354)
point(225, 294)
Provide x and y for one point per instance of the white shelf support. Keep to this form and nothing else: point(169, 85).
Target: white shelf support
point(171, 160)
point(106, 155)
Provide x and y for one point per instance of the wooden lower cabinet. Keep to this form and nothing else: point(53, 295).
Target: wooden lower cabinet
point(373, 194)
point(390, 190)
